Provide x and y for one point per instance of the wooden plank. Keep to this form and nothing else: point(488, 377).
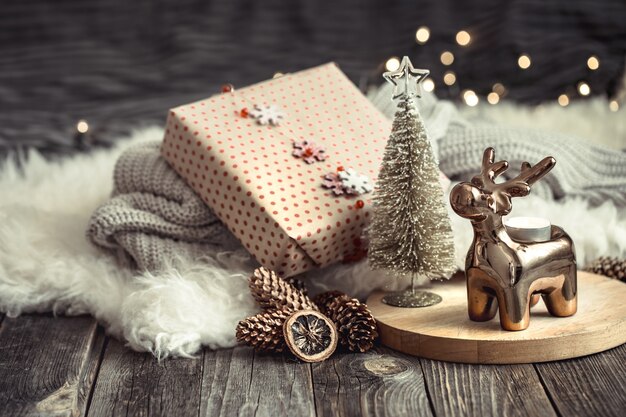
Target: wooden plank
point(47, 364)
point(589, 386)
point(92, 369)
point(444, 331)
point(485, 390)
point(244, 383)
point(137, 384)
point(380, 382)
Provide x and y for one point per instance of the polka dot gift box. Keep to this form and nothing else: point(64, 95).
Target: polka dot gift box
point(261, 156)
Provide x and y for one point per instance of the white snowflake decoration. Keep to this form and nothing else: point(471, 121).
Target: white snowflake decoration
point(355, 183)
point(267, 115)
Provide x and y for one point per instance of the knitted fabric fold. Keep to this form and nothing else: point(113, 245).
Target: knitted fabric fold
point(153, 215)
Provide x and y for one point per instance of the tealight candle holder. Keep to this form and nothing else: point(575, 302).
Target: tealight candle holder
point(528, 229)
point(510, 264)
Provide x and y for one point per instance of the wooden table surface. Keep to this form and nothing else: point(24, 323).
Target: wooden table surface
point(68, 367)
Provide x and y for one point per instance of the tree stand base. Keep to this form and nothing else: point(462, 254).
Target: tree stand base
point(411, 299)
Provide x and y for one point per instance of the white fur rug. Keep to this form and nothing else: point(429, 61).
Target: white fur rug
point(46, 264)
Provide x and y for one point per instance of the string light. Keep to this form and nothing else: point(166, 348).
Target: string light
point(524, 61)
point(422, 35)
point(470, 97)
point(449, 78)
point(463, 38)
point(392, 64)
point(428, 84)
point(447, 58)
point(82, 126)
point(593, 63)
point(583, 88)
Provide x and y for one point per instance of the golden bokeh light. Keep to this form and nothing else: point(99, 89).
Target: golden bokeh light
point(392, 64)
point(449, 78)
point(470, 98)
point(447, 58)
point(422, 35)
point(499, 89)
point(584, 89)
point(463, 38)
point(614, 105)
point(468, 93)
point(524, 61)
point(563, 100)
point(493, 98)
point(593, 63)
point(82, 126)
point(428, 84)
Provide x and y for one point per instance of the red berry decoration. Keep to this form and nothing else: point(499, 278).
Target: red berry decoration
point(340, 168)
point(360, 204)
point(244, 112)
point(228, 88)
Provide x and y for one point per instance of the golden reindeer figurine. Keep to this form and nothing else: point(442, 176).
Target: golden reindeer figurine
point(501, 269)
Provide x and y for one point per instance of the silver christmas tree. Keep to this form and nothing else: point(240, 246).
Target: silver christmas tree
point(410, 232)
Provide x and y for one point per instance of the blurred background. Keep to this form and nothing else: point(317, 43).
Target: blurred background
point(107, 66)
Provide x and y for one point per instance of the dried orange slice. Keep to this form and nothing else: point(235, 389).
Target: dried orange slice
point(310, 335)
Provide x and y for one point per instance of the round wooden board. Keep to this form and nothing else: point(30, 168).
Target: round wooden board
point(444, 331)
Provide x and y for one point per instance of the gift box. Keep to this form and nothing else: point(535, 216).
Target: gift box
point(258, 156)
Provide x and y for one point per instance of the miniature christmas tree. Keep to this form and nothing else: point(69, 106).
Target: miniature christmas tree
point(410, 232)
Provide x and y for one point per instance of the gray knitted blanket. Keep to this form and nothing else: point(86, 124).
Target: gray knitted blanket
point(153, 215)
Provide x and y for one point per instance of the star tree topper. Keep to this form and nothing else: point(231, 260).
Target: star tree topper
point(406, 80)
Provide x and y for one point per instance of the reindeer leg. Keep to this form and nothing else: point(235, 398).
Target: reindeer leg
point(562, 302)
point(481, 301)
point(514, 306)
point(482, 306)
point(534, 299)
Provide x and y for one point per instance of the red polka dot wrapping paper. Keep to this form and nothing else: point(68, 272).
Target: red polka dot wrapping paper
point(272, 201)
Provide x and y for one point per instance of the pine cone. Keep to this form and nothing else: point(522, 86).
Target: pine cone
point(264, 332)
point(271, 291)
point(324, 299)
point(354, 322)
point(610, 267)
point(298, 285)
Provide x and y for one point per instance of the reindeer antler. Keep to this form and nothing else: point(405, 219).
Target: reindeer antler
point(489, 170)
point(515, 187)
point(532, 174)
